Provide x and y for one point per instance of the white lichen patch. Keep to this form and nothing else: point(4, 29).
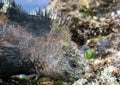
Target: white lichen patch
point(107, 74)
point(115, 14)
point(80, 82)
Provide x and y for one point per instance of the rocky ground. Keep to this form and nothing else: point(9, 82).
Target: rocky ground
point(95, 25)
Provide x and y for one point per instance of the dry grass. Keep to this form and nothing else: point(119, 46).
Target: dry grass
point(84, 3)
point(3, 19)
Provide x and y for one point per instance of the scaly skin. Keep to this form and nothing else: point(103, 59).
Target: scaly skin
point(21, 51)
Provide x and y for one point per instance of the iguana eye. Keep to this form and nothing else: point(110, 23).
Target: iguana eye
point(73, 64)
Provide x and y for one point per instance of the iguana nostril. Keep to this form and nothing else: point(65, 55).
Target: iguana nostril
point(73, 64)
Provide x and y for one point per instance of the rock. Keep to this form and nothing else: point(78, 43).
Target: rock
point(99, 62)
point(89, 76)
